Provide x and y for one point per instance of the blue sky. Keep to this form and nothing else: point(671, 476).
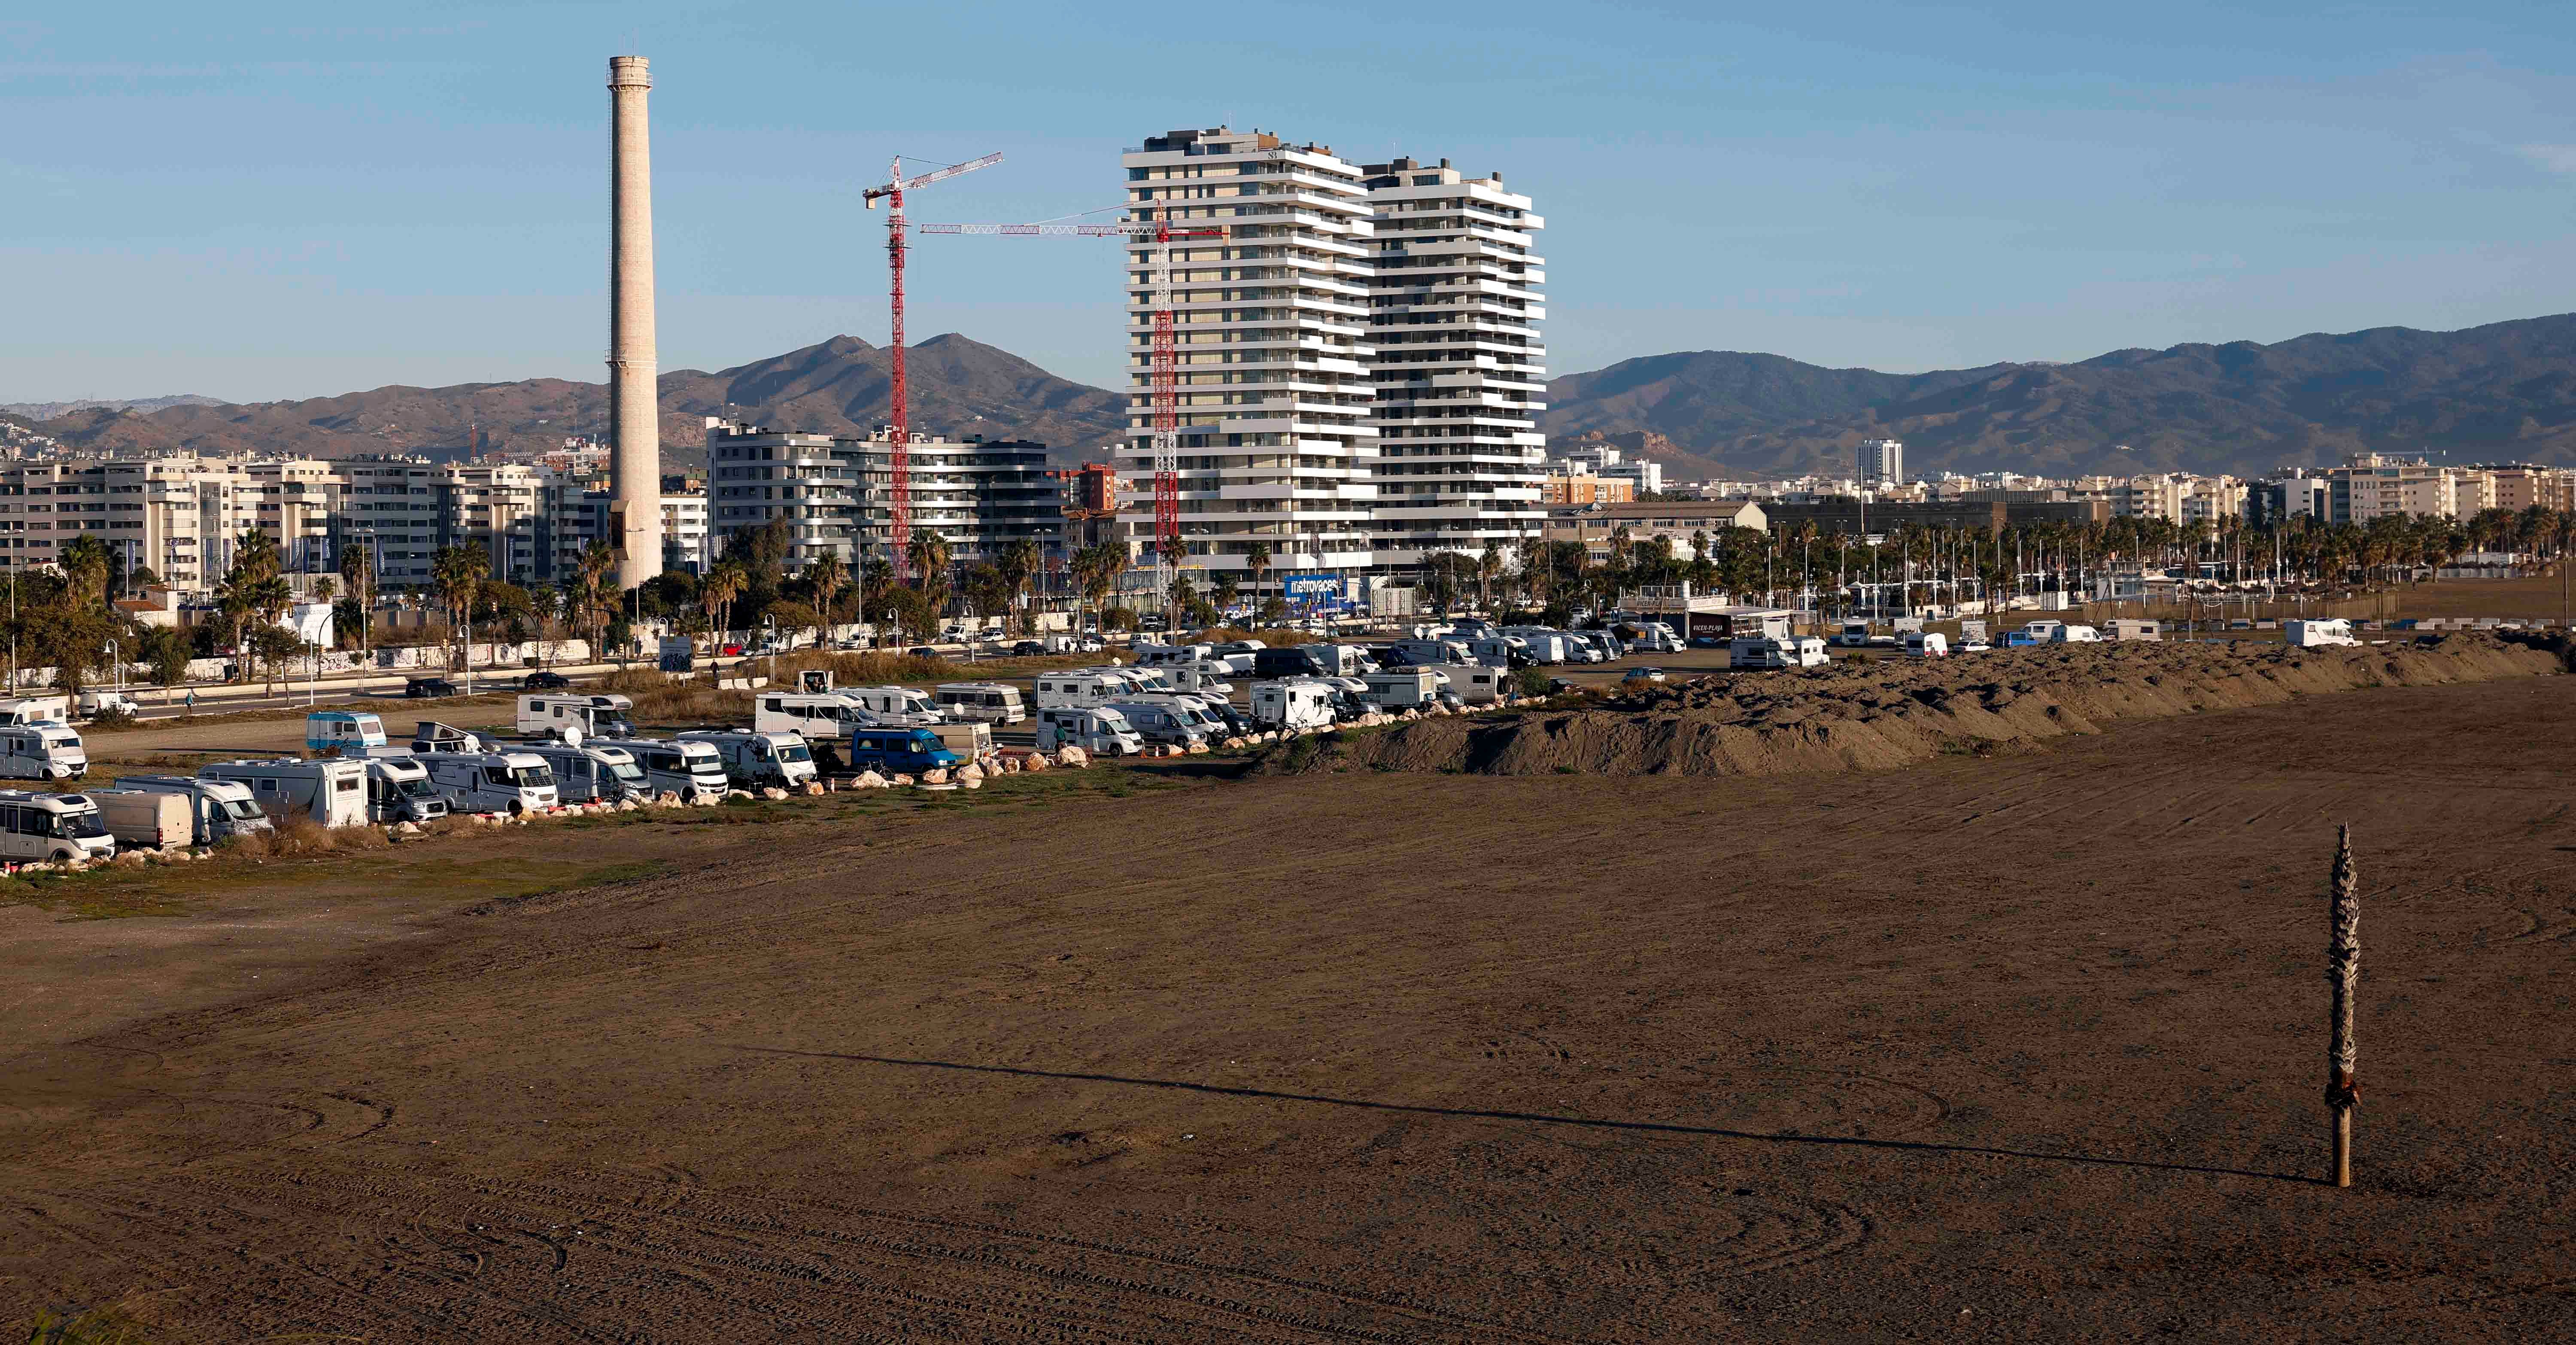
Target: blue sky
point(280, 200)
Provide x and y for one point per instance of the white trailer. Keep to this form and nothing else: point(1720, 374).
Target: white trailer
point(1292, 705)
point(42, 751)
point(53, 828)
point(1473, 683)
point(1926, 644)
point(330, 792)
point(1403, 689)
point(987, 702)
point(218, 810)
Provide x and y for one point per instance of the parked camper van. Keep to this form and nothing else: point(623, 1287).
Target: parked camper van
point(218, 809)
point(760, 760)
point(42, 751)
point(54, 828)
point(1273, 663)
point(826, 716)
point(2077, 635)
point(548, 714)
point(1100, 732)
point(988, 702)
point(1926, 644)
point(35, 710)
point(1203, 678)
point(2317, 634)
point(398, 790)
point(2132, 628)
point(332, 793)
point(1758, 652)
point(900, 751)
point(2044, 631)
point(1473, 683)
point(1162, 723)
point(343, 733)
point(1541, 645)
point(108, 701)
point(888, 702)
point(143, 819)
point(513, 780)
point(1407, 689)
point(431, 738)
point(1168, 656)
point(1081, 689)
point(1301, 704)
point(1338, 660)
point(590, 773)
point(690, 770)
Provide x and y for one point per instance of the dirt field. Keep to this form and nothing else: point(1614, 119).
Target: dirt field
point(2023, 1048)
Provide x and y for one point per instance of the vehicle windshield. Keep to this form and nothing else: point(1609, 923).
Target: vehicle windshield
point(626, 770)
point(415, 788)
point(242, 809)
point(531, 777)
point(79, 826)
point(794, 752)
point(1115, 722)
point(704, 765)
point(61, 741)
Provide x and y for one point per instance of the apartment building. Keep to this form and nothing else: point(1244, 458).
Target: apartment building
point(836, 493)
point(1271, 318)
point(1879, 461)
point(1577, 488)
point(1459, 368)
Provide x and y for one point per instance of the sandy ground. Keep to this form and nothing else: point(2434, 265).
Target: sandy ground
point(2025, 1048)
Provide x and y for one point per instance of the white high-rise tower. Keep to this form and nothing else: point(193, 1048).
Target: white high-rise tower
point(1271, 328)
point(1460, 368)
point(634, 400)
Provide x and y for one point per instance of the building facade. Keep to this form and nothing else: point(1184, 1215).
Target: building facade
point(1459, 368)
point(1275, 442)
point(836, 494)
point(1880, 462)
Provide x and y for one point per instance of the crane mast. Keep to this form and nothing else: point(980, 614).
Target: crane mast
point(899, 502)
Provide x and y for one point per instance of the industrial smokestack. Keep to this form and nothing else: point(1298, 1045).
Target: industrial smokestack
point(634, 403)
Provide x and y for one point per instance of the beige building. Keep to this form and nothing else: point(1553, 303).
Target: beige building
point(1585, 488)
point(1678, 520)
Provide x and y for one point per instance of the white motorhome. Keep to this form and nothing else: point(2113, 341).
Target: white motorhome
point(145, 819)
point(590, 773)
point(691, 770)
point(511, 781)
point(36, 710)
point(988, 702)
point(1758, 652)
point(330, 792)
point(1203, 678)
point(2044, 631)
point(42, 751)
point(1292, 705)
point(760, 760)
point(1341, 660)
point(1101, 732)
point(1926, 644)
point(430, 738)
point(218, 809)
point(2319, 633)
point(549, 714)
point(1167, 656)
point(54, 828)
point(1402, 689)
point(1473, 683)
point(1542, 646)
point(1161, 721)
point(1083, 688)
point(889, 702)
point(2077, 635)
point(398, 790)
point(1433, 650)
point(826, 716)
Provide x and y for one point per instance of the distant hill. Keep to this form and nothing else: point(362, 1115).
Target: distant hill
point(50, 410)
point(2503, 391)
point(840, 386)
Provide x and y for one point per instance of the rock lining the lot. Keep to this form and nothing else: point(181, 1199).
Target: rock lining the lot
point(1885, 714)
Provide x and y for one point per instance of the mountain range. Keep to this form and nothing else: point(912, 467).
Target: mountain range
point(2506, 391)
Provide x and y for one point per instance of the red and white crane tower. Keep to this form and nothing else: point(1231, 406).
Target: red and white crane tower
point(1166, 366)
point(893, 189)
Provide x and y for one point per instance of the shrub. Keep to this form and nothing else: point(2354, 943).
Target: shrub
point(116, 719)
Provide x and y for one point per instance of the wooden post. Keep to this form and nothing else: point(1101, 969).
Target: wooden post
point(2343, 975)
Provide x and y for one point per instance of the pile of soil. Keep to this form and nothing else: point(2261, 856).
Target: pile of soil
point(1877, 715)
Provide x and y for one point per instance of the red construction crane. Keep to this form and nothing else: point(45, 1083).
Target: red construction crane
point(893, 189)
point(1166, 362)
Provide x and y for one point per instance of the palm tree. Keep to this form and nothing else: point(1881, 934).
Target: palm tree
point(592, 596)
point(1257, 560)
point(724, 586)
point(456, 578)
point(1489, 567)
point(85, 564)
point(825, 576)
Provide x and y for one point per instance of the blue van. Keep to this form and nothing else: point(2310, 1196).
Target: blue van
point(898, 750)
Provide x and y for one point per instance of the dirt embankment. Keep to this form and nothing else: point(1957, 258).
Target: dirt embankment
point(1874, 716)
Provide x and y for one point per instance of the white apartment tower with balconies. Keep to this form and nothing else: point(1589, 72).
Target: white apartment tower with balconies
point(1460, 368)
point(1271, 319)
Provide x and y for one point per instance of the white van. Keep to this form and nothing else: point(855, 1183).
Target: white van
point(53, 828)
point(42, 751)
point(691, 770)
point(1926, 644)
point(218, 809)
point(548, 714)
point(890, 703)
point(590, 773)
point(2077, 635)
point(330, 792)
point(760, 760)
point(1292, 705)
point(145, 819)
point(988, 702)
point(1100, 732)
point(1766, 651)
point(511, 781)
point(825, 716)
point(398, 790)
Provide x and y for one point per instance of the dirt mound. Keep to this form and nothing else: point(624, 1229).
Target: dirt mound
point(1878, 715)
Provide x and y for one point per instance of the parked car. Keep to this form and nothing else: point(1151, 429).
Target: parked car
point(544, 681)
point(1707, 642)
point(428, 688)
point(1028, 649)
point(922, 651)
point(1644, 675)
